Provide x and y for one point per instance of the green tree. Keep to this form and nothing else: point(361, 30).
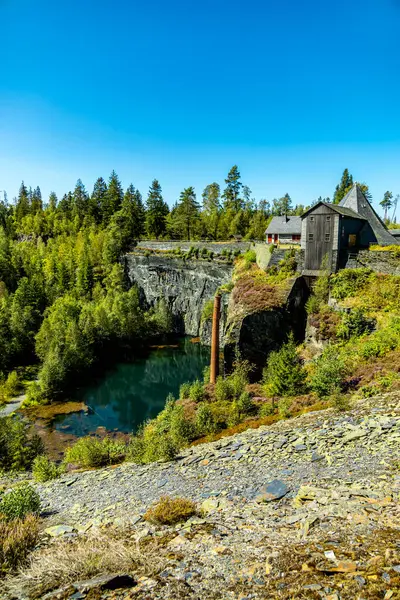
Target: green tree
point(114, 196)
point(387, 203)
point(157, 211)
point(22, 207)
point(343, 187)
point(231, 195)
point(188, 211)
point(37, 203)
point(211, 208)
point(98, 200)
point(285, 374)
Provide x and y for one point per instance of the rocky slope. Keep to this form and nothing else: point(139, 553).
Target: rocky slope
point(306, 508)
point(185, 285)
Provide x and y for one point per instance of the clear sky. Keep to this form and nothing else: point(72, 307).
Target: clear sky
point(292, 92)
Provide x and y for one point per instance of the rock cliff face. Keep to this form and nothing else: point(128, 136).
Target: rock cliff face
point(185, 285)
point(257, 334)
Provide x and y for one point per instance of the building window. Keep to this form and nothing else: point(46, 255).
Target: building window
point(328, 218)
point(312, 218)
point(327, 237)
point(310, 237)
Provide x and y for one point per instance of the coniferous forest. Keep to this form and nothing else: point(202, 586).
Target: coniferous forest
point(63, 297)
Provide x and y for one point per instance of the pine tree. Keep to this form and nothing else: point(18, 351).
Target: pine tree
point(37, 204)
point(80, 201)
point(52, 202)
point(22, 207)
point(65, 205)
point(343, 187)
point(188, 211)
point(98, 200)
point(157, 211)
point(387, 203)
point(231, 193)
point(114, 197)
point(211, 208)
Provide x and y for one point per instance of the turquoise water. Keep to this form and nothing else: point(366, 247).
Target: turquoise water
point(129, 393)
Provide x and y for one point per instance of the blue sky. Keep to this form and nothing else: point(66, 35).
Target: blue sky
point(293, 92)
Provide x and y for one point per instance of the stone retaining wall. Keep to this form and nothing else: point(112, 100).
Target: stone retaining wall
point(216, 247)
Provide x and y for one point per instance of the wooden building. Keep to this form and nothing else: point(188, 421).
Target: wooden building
point(283, 230)
point(329, 232)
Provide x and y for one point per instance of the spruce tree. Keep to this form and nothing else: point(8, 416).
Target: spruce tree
point(22, 207)
point(284, 374)
point(52, 202)
point(188, 211)
point(231, 193)
point(80, 201)
point(98, 200)
point(157, 211)
point(211, 208)
point(113, 198)
point(37, 204)
point(343, 187)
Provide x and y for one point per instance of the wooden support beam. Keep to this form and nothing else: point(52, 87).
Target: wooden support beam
point(214, 368)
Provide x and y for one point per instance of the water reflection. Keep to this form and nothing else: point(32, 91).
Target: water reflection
point(127, 395)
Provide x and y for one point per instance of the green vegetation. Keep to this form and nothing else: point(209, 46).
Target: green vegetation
point(93, 452)
point(285, 374)
point(43, 469)
point(19, 502)
point(18, 446)
point(169, 511)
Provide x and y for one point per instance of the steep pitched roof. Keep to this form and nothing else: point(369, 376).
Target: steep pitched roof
point(346, 212)
point(356, 201)
point(288, 225)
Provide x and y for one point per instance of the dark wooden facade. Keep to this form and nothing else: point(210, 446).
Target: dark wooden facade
point(320, 240)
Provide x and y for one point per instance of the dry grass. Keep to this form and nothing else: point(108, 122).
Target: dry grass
point(17, 539)
point(64, 562)
point(255, 294)
point(169, 511)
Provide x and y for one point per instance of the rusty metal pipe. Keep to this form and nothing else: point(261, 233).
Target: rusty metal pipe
point(214, 368)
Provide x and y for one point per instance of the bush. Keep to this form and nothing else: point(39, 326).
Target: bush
point(329, 373)
point(196, 393)
point(250, 256)
point(313, 305)
point(12, 385)
point(340, 402)
point(245, 404)
point(44, 469)
point(223, 389)
point(354, 324)
point(169, 511)
point(267, 409)
point(17, 538)
point(284, 408)
point(205, 421)
point(284, 374)
point(348, 282)
point(17, 447)
point(208, 310)
point(21, 501)
point(184, 391)
point(93, 452)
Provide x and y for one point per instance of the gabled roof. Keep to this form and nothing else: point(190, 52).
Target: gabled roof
point(395, 232)
point(356, 201)
point(289, 225)
point(342, 210)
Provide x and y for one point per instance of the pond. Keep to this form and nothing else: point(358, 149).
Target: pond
point(132, 392)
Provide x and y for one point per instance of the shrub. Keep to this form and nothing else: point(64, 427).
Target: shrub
point(223, 389)
point(348, 282)
point(285, 374)
point(181, 429)
point(196, 392)
point(245, 404)
point(267, 409)
point(17, 538)
point(329, 373)
point(208, 310)
point(169, 511)
point(21, 501)
point(340, 402)
point(250, 256)
point(206, 375)
point(184, 391)
point(44, 469)
point(93, 452)
point(312, 305)
point(12, 385)
point(205, 421)
point(17, 447)
point(354, 324)
point(239, 378)
point(284, 408)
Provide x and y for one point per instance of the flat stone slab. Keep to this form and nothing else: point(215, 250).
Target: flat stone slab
point(274, 490)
